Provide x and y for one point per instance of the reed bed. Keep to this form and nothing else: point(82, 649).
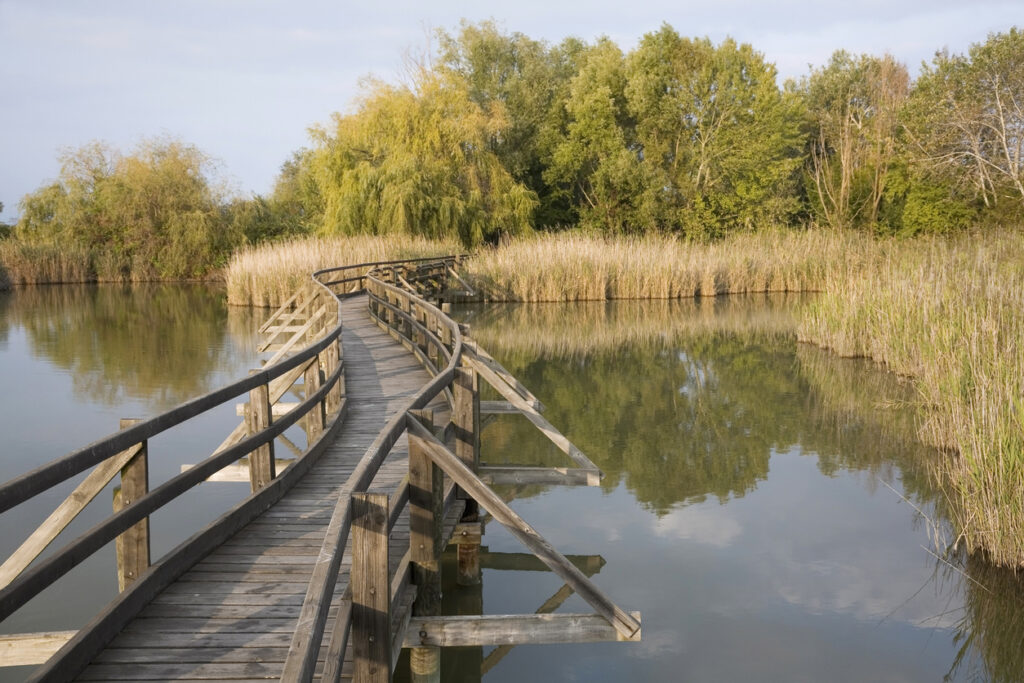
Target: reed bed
point(948, 313)
point(578, 267)
point(267, 274)
point(27, 264)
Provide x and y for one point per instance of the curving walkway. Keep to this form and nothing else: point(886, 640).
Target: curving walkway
point(231, 617)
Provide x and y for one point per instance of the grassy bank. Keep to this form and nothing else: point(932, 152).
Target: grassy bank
point(268, 274)
point(948, 313)
point(574, 267)
point(27, 264)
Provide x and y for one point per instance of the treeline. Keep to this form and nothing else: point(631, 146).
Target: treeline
point(497, 134)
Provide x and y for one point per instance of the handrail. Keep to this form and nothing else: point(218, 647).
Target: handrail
point(36, 578)
point(308, 637)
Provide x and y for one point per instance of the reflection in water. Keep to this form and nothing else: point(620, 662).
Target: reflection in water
point(687, 403)
point(159, 343)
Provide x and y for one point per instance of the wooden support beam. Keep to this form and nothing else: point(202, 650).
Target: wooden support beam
point(623, 622)
point(262, 466)
point(83, 494)
point(315, 419)
point(553, 476)
point(278, 409)
point(512, 629)
point(467, 539)
point(481, 354)
point(30, 649)
point(466, 418)
point(426, 516)
point(132, 547)
point(467, 533)
point(548, 429)
point(371, 599)
point(238, 473)
point(525, 562)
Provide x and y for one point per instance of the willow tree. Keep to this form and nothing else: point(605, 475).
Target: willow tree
point(415, 159)
point(153, 213)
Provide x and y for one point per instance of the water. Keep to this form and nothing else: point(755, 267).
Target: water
point(76, 359)
point(766, 506)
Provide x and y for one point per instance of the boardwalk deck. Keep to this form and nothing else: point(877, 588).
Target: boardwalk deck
point(232, 615)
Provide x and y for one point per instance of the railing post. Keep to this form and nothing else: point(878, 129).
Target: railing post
point(426, 497)
point(332, 357)
point(314, 420)
point(371, 589)
point(466, 417)
point(132, 547)
point(262, 469)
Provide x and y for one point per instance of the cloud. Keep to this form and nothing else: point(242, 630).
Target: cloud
point(705, 525)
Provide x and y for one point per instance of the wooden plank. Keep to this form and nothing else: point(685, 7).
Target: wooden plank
point(371, 602)
point(63, 515)
point(315, 418)
point(512, 629)
point(482, 355)
point(525, 562)
point(624, 623)
point(24, 649)
point(547, 476)
point(277, 410)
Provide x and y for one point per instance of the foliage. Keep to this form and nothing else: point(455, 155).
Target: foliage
point(151, 214)
point(415, 160)
point(5, 229)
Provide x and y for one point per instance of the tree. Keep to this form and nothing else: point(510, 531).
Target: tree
point(854, 105)
point(5, 229)
point(966, 119)
point(722, 139)
point(529, 82)
point(416, 159)
point(597, 162)
point(152, 214)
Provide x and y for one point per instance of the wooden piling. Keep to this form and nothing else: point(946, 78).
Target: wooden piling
point(132, 546)
point(262, 468)
point(371, 589)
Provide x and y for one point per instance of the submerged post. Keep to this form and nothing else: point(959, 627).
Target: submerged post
point(426, 518)
point(132, 547)
point(466, 416)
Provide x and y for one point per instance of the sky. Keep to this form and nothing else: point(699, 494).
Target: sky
point(244, 80)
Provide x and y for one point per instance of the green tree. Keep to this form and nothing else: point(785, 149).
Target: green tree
point(416, 159)
point(854, 106)
point(152, 214)
point(597, 162)
point(966, 120)
point(5, 229)
point(722, 140)
point(529, 81)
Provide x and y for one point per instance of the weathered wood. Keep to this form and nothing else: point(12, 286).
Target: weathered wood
point(279, 312)
point(553, 476)
point(525, 562)
point(333, 661)
point(132, 547)
point(467, 538)
point(238, 473)
point(466, 418)
point(425, 664)
point(24, 649)
point(426, 497)
point(371, 602)
point(481, 354)
point(63, 515)
point(298, 336)
point(513, 629)
point(624, 623)
point(262, 466)
point(556, 437)
point(315, 418)
point(277, 410)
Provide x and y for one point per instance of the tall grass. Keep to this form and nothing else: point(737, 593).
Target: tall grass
point(267, 274)
point(576, 267)
point(950, 314)
point(27, 264)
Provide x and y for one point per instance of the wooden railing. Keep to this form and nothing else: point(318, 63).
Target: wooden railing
point(365, 518)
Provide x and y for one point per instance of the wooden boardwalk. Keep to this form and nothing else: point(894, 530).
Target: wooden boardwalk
point(389, 395)
point(232, 616)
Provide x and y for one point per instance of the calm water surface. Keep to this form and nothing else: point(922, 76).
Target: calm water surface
point(76, 359)
point(765, 505)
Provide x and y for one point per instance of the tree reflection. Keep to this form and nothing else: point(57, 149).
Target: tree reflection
point(161, 344)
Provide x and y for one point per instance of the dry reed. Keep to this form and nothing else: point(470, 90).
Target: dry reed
point(267, 274)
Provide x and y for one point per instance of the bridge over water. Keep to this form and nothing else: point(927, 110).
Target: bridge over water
point(332, 565)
